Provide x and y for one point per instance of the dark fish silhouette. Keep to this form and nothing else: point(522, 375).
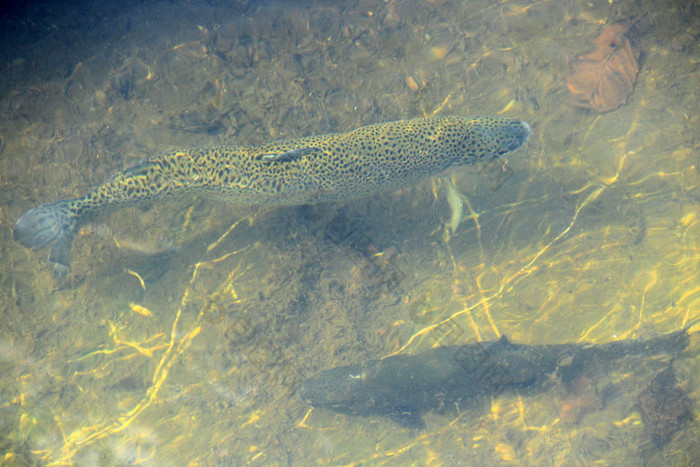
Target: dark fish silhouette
point(403, 387)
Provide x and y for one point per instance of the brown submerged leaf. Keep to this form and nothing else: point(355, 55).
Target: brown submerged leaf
point(603, 79)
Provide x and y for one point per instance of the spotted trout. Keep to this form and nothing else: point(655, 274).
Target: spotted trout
point(333, 167)
point(403, 387)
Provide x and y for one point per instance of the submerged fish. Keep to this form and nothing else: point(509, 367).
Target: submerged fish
point(403, 387)
point(334, 167)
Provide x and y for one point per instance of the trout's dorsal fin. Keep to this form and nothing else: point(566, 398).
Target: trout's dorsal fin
point(291, 155)
point(503, 340)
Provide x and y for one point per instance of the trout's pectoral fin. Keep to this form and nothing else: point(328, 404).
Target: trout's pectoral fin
point(291, 155)
point(456, 203)
point(139, 169)
point(408, 417)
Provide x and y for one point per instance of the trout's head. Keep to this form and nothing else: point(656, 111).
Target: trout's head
point(340, 389)
point(484, 138)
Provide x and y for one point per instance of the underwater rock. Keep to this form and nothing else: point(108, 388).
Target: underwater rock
point(664, 407)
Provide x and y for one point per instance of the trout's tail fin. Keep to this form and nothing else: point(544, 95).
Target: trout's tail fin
point(592, 357)
point(49, 223)
point(671, 344)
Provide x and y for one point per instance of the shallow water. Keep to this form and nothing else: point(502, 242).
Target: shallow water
point(185, 329)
